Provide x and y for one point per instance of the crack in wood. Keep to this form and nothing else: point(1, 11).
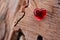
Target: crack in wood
point(19, 19)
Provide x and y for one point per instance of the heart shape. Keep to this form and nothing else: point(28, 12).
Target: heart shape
point(39, 13)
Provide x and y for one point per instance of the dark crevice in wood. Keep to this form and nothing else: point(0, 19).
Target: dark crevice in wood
point(39, 37)
point(19, 19)
point(17, 34)
point(27, 4)
point(58, 3)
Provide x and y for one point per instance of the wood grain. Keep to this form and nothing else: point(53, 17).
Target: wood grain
point(12, 10)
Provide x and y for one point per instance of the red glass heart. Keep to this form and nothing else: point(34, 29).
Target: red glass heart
point(39, 13)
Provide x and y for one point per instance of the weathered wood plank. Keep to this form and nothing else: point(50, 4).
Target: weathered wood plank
point(12, 10)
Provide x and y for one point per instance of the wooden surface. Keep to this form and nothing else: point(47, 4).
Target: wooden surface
point(48, 28)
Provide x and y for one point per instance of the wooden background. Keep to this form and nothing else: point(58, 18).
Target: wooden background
point(48, 28)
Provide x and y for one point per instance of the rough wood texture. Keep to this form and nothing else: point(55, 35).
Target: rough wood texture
point(12, 10)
